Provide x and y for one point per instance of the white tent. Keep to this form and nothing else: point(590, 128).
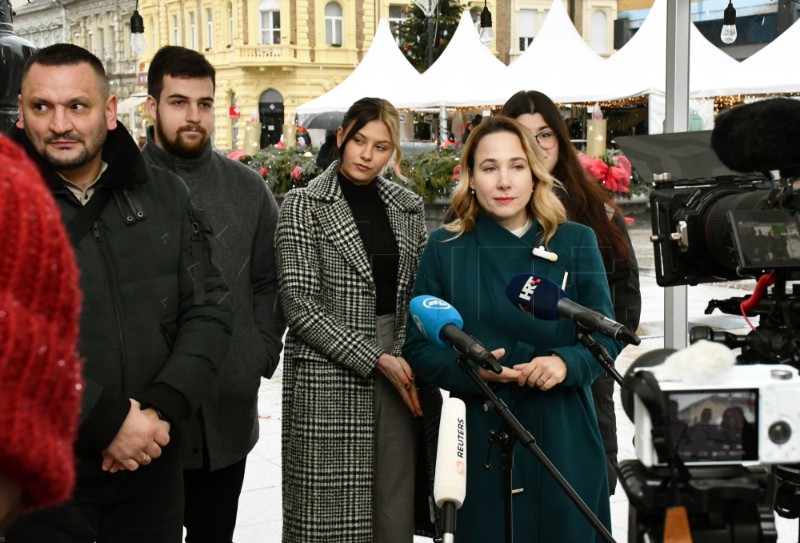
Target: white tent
point(772, 69)
point(557, 61)
point(466, 73)
point(640, 66)
point(383, 73)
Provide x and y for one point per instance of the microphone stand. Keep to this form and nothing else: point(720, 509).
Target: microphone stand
point(511, 431)
point(599, 351)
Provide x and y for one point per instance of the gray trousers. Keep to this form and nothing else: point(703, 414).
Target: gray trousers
point(395, 454)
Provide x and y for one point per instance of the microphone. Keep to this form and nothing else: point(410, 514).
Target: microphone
point(450, 479)
point(441, 324)
point(759, 137)
point(544, 299)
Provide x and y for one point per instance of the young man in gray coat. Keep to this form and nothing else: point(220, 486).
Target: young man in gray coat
point(243, 215)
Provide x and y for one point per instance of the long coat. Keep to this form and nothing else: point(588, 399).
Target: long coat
point(243, 215)
point(471, 272)
point(328, 295)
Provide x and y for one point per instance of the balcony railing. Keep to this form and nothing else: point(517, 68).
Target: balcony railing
point(266, 53)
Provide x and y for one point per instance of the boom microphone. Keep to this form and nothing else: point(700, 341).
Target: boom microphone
point(544, 299)
point(759, 137)
point(450, 480)
point(441, 324)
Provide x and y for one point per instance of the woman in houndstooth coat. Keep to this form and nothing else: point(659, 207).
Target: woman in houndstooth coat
point(357, 427)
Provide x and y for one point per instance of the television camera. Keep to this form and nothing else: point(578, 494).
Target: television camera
point(726, 226)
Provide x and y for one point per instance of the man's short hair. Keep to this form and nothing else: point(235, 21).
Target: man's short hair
point(177, 61)
point(66, 54)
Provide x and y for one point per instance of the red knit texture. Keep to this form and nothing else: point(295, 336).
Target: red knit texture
point(40, 371)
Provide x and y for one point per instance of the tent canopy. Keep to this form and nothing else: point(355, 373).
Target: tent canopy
point(383, 73)
point(466, 73)
point(639, 67)
point(558, 59)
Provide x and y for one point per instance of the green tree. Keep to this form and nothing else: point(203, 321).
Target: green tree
point(413, 31)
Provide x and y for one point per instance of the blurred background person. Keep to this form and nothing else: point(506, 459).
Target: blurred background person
point(40, 371)
point(506, 205)
point(327, 151)
point(348, 247)
point(588, 203)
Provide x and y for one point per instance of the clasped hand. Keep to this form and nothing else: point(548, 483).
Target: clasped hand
point(543, 372)
point(138, 441)
point(399, 373)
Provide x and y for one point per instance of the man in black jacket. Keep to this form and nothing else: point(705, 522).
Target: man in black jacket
point(155, 325)
point(243, 213)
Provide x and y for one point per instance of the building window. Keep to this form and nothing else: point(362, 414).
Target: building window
point(209, 28)
point(126, 44)
point(91, 47)
point(334, 24)
point(191, 31)
point(101, 38)
point(397, 14)
point(526, 28)
point(230, 24)
point(599, 32)
point(175, 30)
point(270, 22)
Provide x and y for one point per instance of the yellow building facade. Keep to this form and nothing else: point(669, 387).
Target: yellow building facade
point(271, 56)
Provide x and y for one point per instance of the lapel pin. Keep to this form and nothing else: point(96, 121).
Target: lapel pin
point(541, 252)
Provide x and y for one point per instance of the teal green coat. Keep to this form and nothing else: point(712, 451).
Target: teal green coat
point(471, 272)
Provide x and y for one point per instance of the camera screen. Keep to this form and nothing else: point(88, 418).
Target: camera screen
point(766, 239)
point(714, 425)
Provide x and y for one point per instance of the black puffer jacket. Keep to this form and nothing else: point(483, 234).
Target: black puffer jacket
point(154, 325)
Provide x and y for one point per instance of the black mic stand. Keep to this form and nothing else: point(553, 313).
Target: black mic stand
point(599, 351)
point(511, 431)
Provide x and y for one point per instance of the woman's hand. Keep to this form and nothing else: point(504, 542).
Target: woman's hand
point(508, 375)
point(543, 372)
point(399, 373)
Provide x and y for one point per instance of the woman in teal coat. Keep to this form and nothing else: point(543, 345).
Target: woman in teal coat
point(506, 206)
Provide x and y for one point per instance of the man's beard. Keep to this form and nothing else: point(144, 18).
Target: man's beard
point(178, 146)
point(88, 153)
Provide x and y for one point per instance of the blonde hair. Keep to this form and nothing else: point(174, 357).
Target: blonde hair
point(544, 206)
point(367, 110)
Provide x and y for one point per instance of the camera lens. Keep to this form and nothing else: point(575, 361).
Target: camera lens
point(779, 432)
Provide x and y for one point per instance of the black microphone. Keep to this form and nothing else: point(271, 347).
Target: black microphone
point(759, 137)
point(544, 299)
point(441, 324)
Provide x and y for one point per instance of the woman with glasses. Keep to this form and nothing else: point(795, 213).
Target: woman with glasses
point(587, 203)
point(506, 205)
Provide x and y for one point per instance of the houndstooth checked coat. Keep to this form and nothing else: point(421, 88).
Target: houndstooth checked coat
point(328, 297)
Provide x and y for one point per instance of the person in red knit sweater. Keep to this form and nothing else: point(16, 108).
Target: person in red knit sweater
point(40, 370)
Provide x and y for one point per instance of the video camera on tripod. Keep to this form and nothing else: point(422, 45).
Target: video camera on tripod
point(716, 226)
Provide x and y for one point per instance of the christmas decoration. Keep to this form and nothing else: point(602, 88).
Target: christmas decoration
point(413, 31)
point(613, 171)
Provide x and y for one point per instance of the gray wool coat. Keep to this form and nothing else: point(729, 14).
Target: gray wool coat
point(328, 296)
point(243, 215)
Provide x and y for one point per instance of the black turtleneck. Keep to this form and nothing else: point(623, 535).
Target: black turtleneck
point(372, 221)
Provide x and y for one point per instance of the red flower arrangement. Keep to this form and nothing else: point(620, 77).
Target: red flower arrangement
point(611, 171)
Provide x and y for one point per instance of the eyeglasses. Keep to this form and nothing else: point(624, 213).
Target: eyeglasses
point(546, 140)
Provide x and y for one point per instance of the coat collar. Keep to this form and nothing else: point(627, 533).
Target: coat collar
point(326, 187)
point(126, 166)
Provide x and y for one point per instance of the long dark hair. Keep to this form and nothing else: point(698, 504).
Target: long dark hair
point(582, 197)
